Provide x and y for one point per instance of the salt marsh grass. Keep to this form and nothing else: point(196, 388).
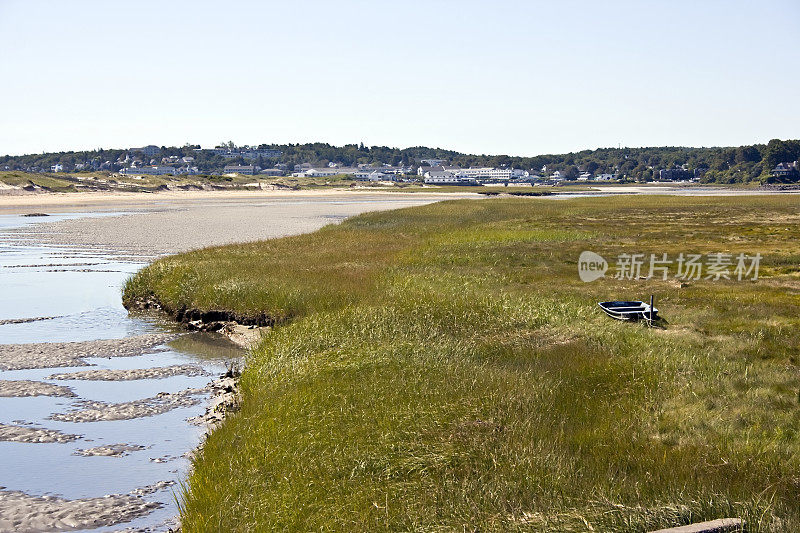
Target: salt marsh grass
point(443, 368)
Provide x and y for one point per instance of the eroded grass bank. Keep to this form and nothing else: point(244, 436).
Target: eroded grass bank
point(443, 368)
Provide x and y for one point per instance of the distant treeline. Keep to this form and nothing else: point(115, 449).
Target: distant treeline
point(722, 165)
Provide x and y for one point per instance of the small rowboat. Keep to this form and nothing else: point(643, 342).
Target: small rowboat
point(629, 310)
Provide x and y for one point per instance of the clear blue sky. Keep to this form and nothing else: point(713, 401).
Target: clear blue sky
point(519, 78)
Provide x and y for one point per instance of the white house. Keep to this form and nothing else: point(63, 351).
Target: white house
point(604, 177)
point(370, 175)
point(322, 172)
point(58, 167)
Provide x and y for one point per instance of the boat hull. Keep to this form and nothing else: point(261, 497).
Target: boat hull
point(629, 310)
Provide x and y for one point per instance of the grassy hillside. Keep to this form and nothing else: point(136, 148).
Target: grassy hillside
point(443, 368)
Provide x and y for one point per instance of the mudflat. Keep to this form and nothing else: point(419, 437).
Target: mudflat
point(166, 223)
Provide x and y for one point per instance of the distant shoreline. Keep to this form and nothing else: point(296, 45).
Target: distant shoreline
point(70, 201)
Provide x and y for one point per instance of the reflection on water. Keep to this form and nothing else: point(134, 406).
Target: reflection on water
point(207, 346)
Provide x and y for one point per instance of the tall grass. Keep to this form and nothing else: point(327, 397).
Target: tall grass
point(443, 368)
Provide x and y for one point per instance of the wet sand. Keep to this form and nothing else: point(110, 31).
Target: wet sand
point(58, 354)
point(109, 450)
point(129, 375)
point(23, 512)
point(12, 433)
point(164, 225)
point(93, 411)
point(25, 387)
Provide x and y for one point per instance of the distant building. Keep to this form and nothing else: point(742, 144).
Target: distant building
point(422, 170)
point(149, 171)
point(604, 177)
point(433, 162)
point(326, 172)
point(489, 173)
point(783, 170)
point(246, 153)
point(58, 167)
point(272, 172)
point(446, 177)
point(370, 175)
point(249, 170)
point(150, 150)
point(480, 173)
point(585, 176)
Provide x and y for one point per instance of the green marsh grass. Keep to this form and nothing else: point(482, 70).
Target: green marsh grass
point(442, 368)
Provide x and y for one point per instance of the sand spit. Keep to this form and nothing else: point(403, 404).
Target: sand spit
point(109, 450)
point(33, 435)
point(132, 374)
point(26, 387)
point(164, 224)
point(26, 320)
point(56, 354)
point(92, 411)
point(22, 512)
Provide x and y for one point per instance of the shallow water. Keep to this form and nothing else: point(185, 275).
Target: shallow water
point(81, 288)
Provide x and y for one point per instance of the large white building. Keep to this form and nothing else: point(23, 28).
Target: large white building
point(479, 173)
point(446, 177)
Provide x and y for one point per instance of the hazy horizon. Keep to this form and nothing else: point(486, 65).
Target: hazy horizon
point(518, 79)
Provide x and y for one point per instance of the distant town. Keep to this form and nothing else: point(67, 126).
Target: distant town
point(775, 162)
